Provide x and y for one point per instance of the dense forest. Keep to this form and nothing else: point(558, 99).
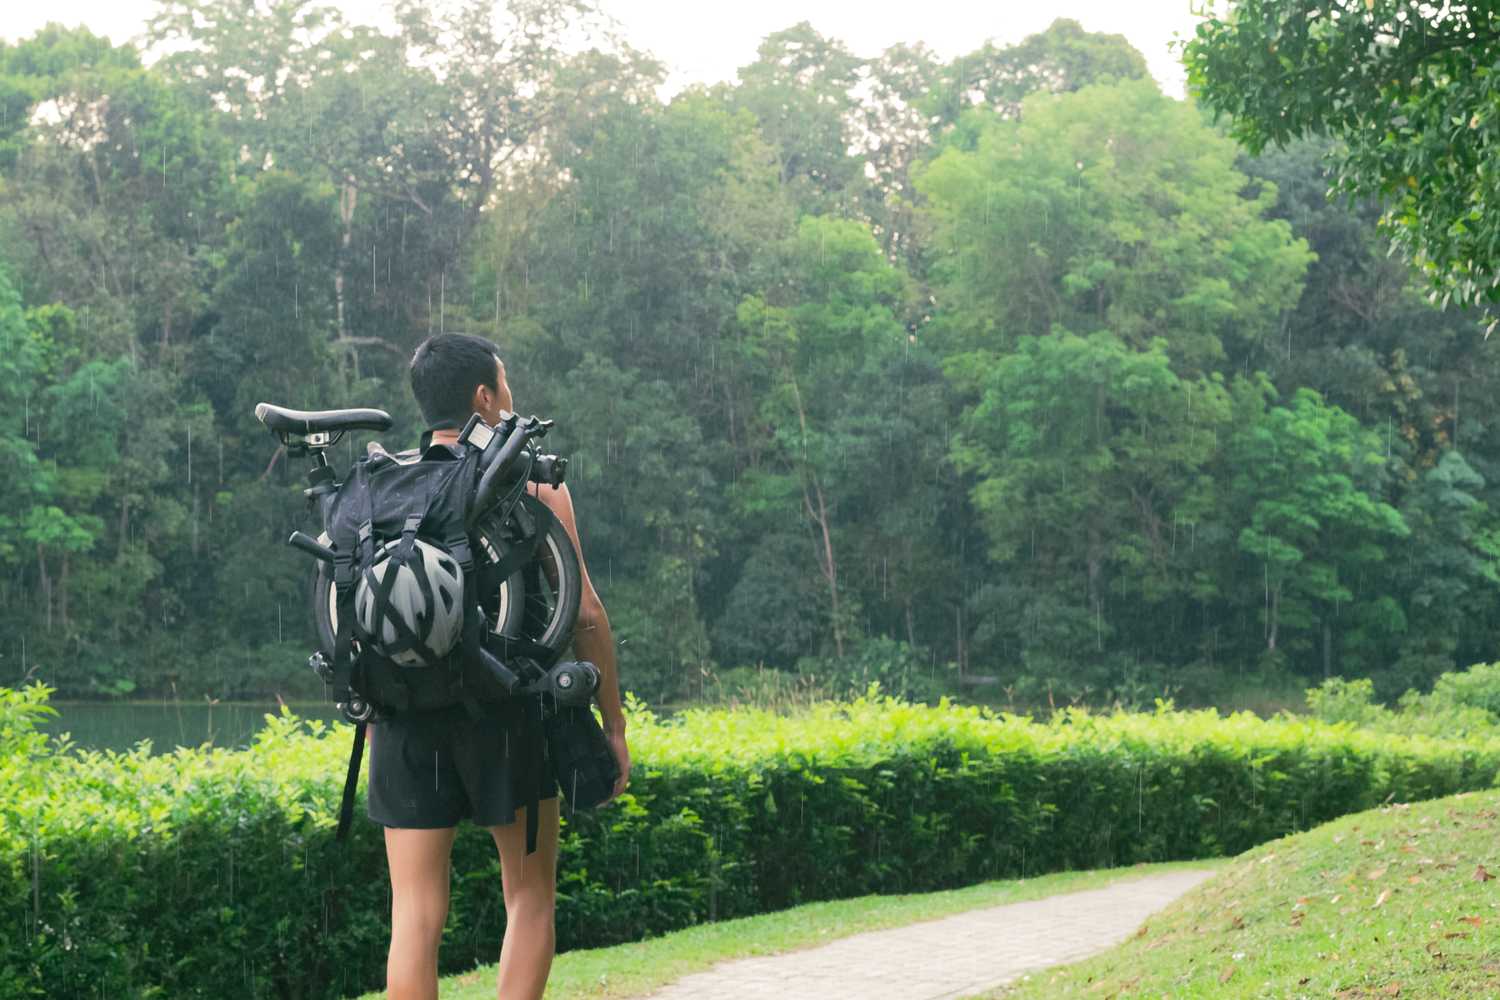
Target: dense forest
point(1007, 367)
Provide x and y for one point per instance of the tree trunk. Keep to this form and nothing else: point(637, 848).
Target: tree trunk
point(62, 591)
point(1096, 571)
point(820, 517)
point(734, 442)
point(41, 566)
point(958, 628)
point(1327, 648)
point(1275, 606)
point(347, 196)
point(1095, 536)
point(124, 527)
point(166, 332)
point(829, 566)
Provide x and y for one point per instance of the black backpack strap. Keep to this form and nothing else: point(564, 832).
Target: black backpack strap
point(509, 648)
point(380, 588)
point(365, 516)
point(351, 541)
point(474, 627)
point(469, 661)
point(402, 552)
point(457, 544)
point(530, 761)
point(351, 781)
point(342, 667)
point(519, 555)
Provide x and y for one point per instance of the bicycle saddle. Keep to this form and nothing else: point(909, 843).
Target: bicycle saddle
point(285, 421)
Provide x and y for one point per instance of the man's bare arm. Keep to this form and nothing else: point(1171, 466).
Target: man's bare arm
point(592, 638)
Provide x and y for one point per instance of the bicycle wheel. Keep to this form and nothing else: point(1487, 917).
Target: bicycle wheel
point(539, 600)
point(548, 589)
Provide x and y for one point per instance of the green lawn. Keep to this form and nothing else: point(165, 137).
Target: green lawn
point(631, 970)
point(1396, 902)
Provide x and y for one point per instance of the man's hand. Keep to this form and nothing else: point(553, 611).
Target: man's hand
point(616, 738)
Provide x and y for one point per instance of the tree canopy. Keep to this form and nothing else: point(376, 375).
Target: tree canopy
point(1409, 90)
point(1004, 375)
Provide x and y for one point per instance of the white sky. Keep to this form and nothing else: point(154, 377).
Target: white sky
point(704, 41)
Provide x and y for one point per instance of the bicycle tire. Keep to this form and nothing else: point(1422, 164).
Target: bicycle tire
point(549, 602)
point(528, 606)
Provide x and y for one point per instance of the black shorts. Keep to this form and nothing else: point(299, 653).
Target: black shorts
point(431, 769)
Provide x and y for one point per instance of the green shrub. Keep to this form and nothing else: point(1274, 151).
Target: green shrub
point(20, 711)
point(899, 670)
point(762, 687)
point(205, 873)
point(1340, 700)
point(1462, 704)
point(1478, 687)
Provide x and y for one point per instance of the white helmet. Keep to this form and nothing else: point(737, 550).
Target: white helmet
point(427, 597)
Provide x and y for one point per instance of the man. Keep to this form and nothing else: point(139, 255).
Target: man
point(428, 770)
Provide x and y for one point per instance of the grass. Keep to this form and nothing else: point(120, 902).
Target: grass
point(1400, 901)
point(632, 970)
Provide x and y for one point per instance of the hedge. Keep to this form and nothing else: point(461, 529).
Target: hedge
point(205, 873)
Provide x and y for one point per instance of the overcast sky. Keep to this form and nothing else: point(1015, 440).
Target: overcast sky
point(706, 42)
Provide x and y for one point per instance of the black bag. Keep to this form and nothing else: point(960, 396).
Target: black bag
point(582, 760)
point(382, 500)
point(386, 500)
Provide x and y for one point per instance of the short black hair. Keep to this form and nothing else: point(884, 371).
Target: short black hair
point(444, 371)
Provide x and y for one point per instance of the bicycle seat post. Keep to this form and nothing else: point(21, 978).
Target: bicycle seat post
point(320, 478)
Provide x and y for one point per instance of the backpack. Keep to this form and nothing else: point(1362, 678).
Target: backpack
point(385, 504)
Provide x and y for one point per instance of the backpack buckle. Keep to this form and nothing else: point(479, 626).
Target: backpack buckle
point(343, 570)
point(366, 544)
point(458, 548)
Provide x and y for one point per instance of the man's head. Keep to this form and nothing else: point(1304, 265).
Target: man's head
point(456, 374)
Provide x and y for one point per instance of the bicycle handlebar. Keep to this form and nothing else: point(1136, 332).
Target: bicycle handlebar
point(311, 545)
point(489, 484)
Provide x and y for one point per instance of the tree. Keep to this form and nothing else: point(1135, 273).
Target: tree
point(1363, 334)
point(1409, 90)
point(1301, 486)
point(800, 90)
point(644, 490)
point(426, 123)
point(1087, 456)
point(824, 345)
point(21, 365)
point(1451, 568)
point(122, 179)
point(775, 611)
point(894, 130)
point(910, 104)
point(1111, 207)
point(39, 68)
point(1063, 58)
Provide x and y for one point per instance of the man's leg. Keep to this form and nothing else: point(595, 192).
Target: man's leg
point(419, 861)
point(530, 884)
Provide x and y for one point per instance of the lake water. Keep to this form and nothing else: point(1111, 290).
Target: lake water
point(104, 725)
point(119, 725)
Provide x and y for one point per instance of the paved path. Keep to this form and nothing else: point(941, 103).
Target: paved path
point(947, 957)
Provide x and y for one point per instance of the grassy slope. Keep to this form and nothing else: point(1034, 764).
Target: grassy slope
point(1391, 902)
point(632, 970)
